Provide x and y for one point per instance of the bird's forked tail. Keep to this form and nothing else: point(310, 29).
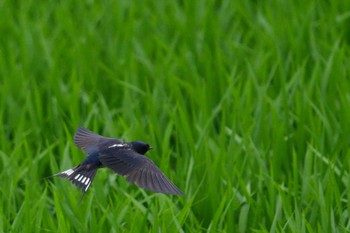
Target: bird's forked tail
point(81, 176)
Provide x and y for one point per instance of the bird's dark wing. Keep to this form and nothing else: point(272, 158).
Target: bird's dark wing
point(91, 142)
point(138, 169)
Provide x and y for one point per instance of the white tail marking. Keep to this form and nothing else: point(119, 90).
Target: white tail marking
point(68, 172)
point(88, 185)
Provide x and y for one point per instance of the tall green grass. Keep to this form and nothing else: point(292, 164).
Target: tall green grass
point(246, 104)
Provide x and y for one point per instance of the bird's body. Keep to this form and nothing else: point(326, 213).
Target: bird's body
point(124, 158)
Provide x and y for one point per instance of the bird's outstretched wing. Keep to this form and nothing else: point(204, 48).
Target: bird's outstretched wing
point(91, 142)
point(138, 169)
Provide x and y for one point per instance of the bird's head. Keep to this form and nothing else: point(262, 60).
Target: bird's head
point(140, 147)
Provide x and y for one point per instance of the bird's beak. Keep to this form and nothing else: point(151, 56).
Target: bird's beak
point(150, 148)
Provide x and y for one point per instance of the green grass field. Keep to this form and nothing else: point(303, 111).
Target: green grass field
point(246, 104)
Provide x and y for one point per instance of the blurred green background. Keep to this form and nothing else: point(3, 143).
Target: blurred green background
point(246, 104)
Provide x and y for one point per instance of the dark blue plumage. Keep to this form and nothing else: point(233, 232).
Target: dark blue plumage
point(124, 158)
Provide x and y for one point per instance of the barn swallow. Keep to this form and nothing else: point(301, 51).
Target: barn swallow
point(125, 158)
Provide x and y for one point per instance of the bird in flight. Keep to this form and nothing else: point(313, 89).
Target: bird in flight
point(125, 158)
